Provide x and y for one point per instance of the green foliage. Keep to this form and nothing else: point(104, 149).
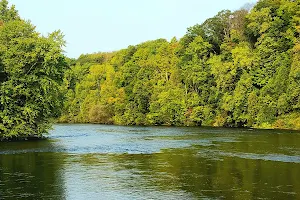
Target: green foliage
point(32, 69)
point(7, 13)
point(237, 69)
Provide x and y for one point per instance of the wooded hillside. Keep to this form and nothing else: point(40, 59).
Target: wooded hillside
point(237, 69)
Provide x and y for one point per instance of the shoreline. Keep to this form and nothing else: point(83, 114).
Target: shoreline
point(185, 126)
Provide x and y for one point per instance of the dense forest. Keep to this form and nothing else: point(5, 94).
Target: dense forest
point(237, 69)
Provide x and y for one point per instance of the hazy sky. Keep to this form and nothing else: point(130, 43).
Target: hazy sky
point(107, 25)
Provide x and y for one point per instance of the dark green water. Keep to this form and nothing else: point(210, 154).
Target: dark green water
point(113, 162)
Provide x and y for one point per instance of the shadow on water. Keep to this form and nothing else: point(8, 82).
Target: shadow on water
point(213, 178)
point(29, 171)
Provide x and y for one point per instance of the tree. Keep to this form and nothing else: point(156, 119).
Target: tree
point(7, 13)
point(236, 69)
point(33, 65)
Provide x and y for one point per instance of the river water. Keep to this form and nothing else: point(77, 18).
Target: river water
point(116, 162)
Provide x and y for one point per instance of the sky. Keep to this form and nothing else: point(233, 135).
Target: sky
point(108, 25)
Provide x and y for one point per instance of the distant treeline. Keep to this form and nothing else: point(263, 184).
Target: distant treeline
point(237, 69)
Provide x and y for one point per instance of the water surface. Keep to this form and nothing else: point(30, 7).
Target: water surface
point(116, 162)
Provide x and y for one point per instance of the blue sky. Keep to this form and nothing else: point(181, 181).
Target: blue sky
point(107, 25)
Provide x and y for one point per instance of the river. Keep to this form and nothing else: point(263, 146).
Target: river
point(117, 162)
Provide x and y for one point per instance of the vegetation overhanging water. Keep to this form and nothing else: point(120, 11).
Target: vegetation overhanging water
point(237, 69)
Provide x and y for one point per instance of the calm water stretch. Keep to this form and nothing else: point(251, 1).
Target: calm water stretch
point(115, 162)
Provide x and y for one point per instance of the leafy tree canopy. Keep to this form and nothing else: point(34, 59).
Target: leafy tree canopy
point(31, 71)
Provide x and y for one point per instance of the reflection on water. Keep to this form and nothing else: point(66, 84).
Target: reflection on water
point(30, 173)
point(114, 162)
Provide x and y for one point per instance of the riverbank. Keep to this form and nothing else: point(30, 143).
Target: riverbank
point(262, 127)
point(285, 122)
